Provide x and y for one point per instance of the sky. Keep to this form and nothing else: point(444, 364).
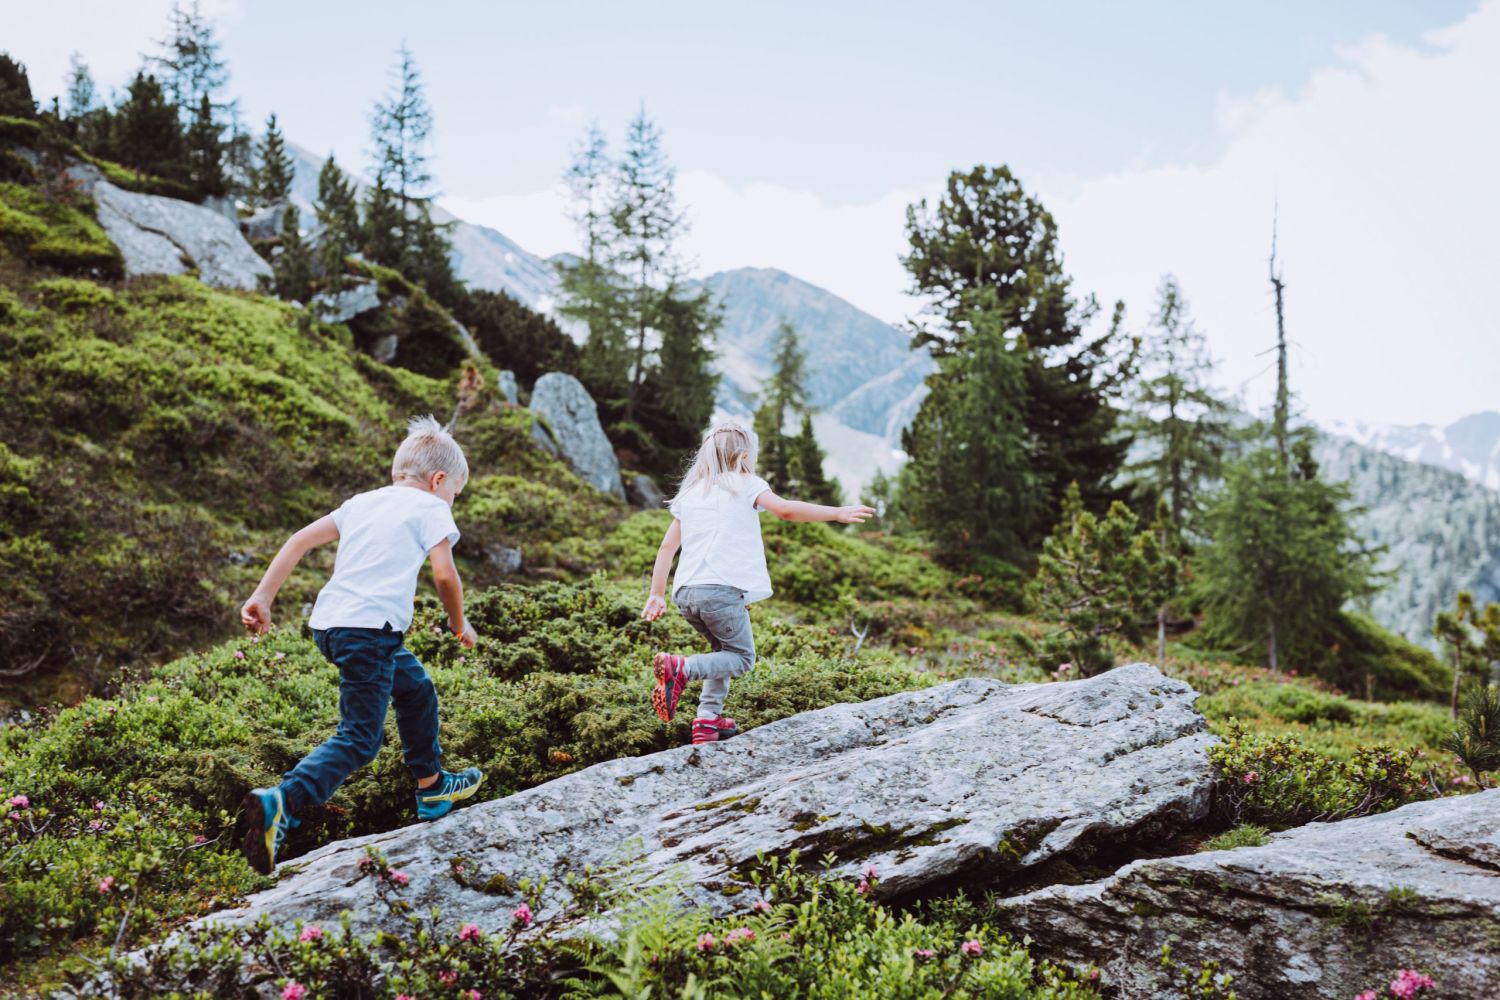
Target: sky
point(1161, 135)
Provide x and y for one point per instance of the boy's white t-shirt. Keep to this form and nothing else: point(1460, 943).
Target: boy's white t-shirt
point(384, 537)
point(721, 538)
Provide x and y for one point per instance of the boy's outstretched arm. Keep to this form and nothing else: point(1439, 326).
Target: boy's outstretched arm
point(670, 543)
point(256, 612)
point(800, 510)
point(451, 591)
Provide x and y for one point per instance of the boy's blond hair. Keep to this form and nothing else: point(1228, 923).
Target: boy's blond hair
point(428, 448)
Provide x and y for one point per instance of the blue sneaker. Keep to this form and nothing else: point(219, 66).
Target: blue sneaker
point(263, 824)
point(436, 800)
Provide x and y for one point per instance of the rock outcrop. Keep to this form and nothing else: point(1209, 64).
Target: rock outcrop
point(509, 390)
point(341, 307)
point(1325, 910)
point(570, 410)
point(969, 781)
point(159, 235)
point(642, 492)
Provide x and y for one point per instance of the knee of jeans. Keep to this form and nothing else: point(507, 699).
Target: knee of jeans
point(747, 660)
point(366, 745)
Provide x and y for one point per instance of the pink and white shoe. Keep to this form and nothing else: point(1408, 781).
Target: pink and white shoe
point(713, 730)
point(671, 678)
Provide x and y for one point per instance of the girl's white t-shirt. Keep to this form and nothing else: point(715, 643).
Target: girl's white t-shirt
point(721, 537)
point(384, 538)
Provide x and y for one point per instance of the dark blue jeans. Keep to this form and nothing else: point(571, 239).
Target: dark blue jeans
point(375, 669)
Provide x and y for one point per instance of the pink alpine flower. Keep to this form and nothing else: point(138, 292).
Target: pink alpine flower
point(739, 934)
point(863, 888)
point(239, 654)
point(405, 996)
point(448, 977)
point(20, 801)
point(1251, 777)
point(521, 915)
point(293, 991)
point(95, 825)
point(972, 948)
point(1408, 982)
point(872, 873)
point(706, 942)
point(400, 878)
point(761, 906)
point(474, 995)
point(98, 805)
point(469, 932)
point(106, 884)
point(311, 932)
point(925, 953)
point(1368, 995)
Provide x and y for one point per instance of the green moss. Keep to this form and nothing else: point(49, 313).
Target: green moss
point(55, 234)
point(73, 295)
point(1024, 838)
point(19, 130)
point(1244, 835)
point(497, 884)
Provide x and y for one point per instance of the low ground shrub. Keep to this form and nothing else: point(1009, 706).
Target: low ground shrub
point(56, 234)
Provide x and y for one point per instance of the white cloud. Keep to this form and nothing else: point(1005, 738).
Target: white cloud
point(567, 114)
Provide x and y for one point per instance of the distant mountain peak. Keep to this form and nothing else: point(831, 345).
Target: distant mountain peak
point(1469, 446)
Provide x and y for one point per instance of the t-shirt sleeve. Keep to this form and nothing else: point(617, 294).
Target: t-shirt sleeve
point(754, 487)
point(340, 516)
point(437, 525)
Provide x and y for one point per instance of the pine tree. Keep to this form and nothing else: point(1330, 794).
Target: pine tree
point(986, 258)
point(188, 65)
point(205, 152)
point(147, 136)
point(1100, 577)
point(82, 95)
point(784, 392)
point(15, 89)
point(969, 483)
point(591, 289)
point(1474, 638)
point(273, 179)
point(646, 224)
point(292, 264)
point(1282, 558)
point(338, 223)
point(678, 400)
point(806, 462)
point(381, 232)
point(1183, 427)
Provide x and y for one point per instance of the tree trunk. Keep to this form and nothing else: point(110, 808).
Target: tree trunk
point(1458, 676)
point(1161, 638)
point(1271, 649)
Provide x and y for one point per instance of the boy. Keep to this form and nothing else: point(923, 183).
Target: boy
point(359, 622)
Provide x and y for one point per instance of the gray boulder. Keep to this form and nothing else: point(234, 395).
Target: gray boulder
point(1325, 910)
point(643, 493)
point(968, 781)
point(574, 419)
point(341, 307)
point(504, 558)
point(158, 235)
point(509, 390)
point(264, 224)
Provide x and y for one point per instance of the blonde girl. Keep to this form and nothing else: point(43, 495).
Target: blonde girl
point(716, 524)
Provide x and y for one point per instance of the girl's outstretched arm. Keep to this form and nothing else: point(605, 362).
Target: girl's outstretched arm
point(670, 543)
point(800, 510)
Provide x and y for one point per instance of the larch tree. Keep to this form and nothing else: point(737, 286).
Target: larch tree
point(273, 178)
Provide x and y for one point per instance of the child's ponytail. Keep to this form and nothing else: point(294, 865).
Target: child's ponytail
point(729, 448)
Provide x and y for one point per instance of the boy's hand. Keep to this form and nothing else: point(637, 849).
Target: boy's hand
point(854, 514)
point(256, 614)
point(655, 605)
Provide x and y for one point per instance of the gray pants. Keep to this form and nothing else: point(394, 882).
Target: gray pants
point(719, 614)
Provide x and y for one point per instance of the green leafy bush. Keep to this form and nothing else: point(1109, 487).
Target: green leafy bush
point(1244, 835)
point(73, 295)
point(55, 234)
point(19, 130)
point(1278, 783)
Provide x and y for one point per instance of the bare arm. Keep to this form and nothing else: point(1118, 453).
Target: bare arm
point(670, 543)
point(256, 612)
point(800, 510)
point(451, 591)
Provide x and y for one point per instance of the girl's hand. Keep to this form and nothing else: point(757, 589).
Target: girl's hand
point(256, 614)
point(655, 605)
point(854, 514)
point(468, 637)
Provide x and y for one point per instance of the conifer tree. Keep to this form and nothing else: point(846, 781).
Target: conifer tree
point(189, 66)
point(1473, 636)
point(806, 461)
point(783, 393)
point(1100, 577)
point(82, 96)
point(970, 483)
point(1282, 557)
point(205, 152)
point(273, 179)
point(147, 135)
point(338, 222)
point(646, 223)
point(986, 258)
point(381, 231)
point(678, 400)
point(15, 89)
point(292, 264)
point(591, 289)
point(1184, 428)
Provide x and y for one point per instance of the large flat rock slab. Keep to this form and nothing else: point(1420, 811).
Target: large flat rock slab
point(970, 780)
point(1325, 910)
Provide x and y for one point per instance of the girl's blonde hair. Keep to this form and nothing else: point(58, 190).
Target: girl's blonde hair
point(728, 449)
point(428, 448)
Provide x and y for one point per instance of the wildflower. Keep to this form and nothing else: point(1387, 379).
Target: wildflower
point(972, 947)
point(739, 934)
point(293, 990)
point(1093, 975)
point(469, 932)
point(106, 884)
point(14, 814)
point(199, 840)
point(521, 915)
point(95, 825)
point(310, 933)
point(151, 698)
point(1064, 668)
point(279, 657)
point(239, 654)
point(462, 660)
point(1408, 982)
point(400, 878)
point(761, 906)
point(405, 996)
point(1251, 777)
point(863, 887)
point(98, 805)
point(1368, 995)
point(20, 801)
point(871, 873)
point(474, 995)
point(925, 953)
point(448, 977)
point(706, 942)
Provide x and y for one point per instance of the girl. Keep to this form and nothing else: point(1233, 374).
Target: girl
point(723, 569)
